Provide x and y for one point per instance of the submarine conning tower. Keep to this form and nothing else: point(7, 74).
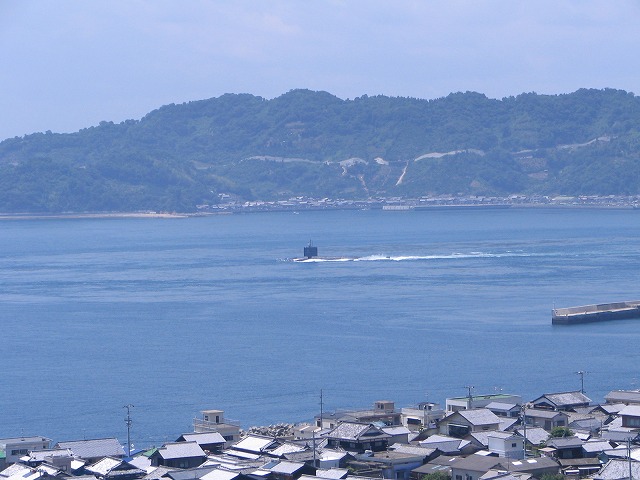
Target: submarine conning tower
point(310, 251)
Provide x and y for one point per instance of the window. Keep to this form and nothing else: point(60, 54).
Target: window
point(514, 445)
point(458, 477)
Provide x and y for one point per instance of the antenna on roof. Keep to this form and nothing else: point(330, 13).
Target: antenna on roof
point(470, 388)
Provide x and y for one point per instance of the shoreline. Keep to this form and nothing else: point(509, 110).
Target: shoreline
point(242, 210)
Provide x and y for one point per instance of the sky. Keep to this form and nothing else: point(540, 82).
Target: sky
point(70, 64)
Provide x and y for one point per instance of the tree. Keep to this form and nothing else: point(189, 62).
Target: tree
point(436, 476)
point(561, 432)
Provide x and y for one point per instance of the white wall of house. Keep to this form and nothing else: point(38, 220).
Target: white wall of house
point(510, 447)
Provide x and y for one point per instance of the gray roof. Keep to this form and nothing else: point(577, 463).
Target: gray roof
point(623, 396)
point(42, 455)
point(566, 399)
point(481, 438)
point(205, 438)
point(596, 446)
point(533, 464)
point(535, 435)
point(618, 470)
point(412, 449)
point(480, 463)
point(157, 473)
point(4, 441)
point(354, 431)
point(630, 410)
point(96, 448)
point(502, 407)
point(480, 416)
point(565, 442)
point(543, 413)
point(332, 473)
point(287, 468)
point(181, 450)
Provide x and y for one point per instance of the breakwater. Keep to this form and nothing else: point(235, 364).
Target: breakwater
point(595, 313)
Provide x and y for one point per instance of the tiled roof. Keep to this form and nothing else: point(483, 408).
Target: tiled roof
point(567, 398)
point(354, 431)
point(630, 410)
point(203, 438)
point(618, 469)
point(96, 448)
point(565, 442)
point(535, 435)
point(480, 416)
point(332, 473)
point(254, 443)
point(287, 468)
point(623, 396)
point(104, 466)
point(181, 450)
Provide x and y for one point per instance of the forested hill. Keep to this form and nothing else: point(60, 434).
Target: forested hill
point(315, 144)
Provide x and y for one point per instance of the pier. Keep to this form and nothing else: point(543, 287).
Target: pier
point(595, 313)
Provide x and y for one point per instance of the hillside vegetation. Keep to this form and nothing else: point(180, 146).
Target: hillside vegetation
point(315, 144)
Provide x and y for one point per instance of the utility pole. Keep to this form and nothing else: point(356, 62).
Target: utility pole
point(524, 427)
point(581, 373)
point(321, 408)
point(128, 423)
point(629, 456)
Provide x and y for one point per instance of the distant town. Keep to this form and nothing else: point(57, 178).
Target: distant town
point(476, 437)
point(228, 203)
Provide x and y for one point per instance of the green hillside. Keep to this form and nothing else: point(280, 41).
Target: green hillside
point(315, 144)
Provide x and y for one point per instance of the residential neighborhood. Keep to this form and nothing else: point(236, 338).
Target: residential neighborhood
point(483, 437)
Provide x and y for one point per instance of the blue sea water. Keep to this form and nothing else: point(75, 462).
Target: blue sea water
point(179, 315)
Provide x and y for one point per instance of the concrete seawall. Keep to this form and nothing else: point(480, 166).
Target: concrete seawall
point(595, 313)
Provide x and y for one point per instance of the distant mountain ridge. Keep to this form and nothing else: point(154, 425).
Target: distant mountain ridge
point(315, 144)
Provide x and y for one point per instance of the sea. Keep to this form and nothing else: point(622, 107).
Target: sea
point(179, 315)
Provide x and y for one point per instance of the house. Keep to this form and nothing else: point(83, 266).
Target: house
point(627, 397)
point(16, 447)
point(594, 448)
point(383, 411)
point(449, 445)
point(474, 466)
point(566, 401)
point(212, 442)
point(630, 416)
point(95, 449)
point(502, 475)
point(441, 464)
point(506, 444)
point(357, 437)
point(62, 459)
point(179, 455)
point(579, 467)
point(214, 421)
point(423, 415)
point(397, 434)
point(254, 445)
point(286, 470)
point(455, 404)
point(110, 468)
point(502, 409)
point(544, 418)
point(288, 447)
point(566, 447)
point(535, 436)
point(463, 422)
point(537, 466)
point(393, 464)
point(617, 469)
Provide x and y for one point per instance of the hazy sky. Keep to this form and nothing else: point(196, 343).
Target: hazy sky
point(68, 64)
